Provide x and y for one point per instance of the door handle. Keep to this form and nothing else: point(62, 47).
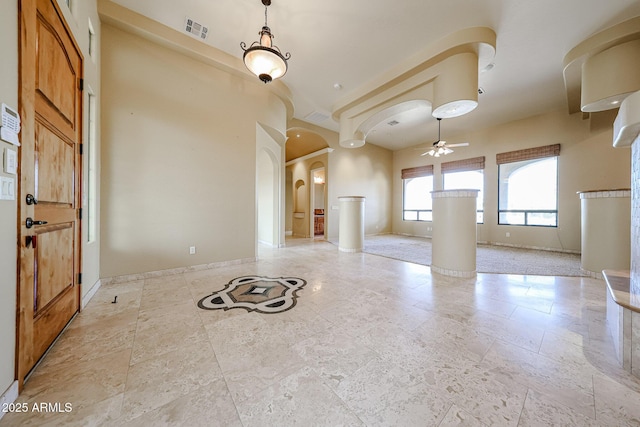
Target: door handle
point(31, 222)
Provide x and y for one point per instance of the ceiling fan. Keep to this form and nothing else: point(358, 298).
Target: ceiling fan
point(440, 147)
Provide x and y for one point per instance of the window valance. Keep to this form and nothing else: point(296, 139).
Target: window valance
point(528, 154)
point(417, 172)
point(473, 164)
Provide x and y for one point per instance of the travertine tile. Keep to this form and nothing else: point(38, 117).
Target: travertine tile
point(205, 406)
point(540, 410)
point(371, 341)
point(334, 354)
point(458, 417)
point(616, 404)
point(381, 392)
point(158, 381)
point(82, 383)
point(298, 399)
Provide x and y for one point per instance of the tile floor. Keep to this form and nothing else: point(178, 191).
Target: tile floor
point(372, 341)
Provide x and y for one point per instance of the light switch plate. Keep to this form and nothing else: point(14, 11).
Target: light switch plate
point(7, 188)
point(10, 161)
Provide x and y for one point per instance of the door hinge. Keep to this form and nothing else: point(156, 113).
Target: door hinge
point(80, 213)
point(81, 84)
point(81, 148)
point(79, 278)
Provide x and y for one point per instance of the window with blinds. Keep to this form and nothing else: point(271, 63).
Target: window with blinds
point(417, 184)
point(466, 174)
point(528, 186)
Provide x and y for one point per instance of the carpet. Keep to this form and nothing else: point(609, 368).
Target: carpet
point(489, 258)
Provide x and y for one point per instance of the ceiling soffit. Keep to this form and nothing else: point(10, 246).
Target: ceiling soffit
point(588, 66)
point(445, 71)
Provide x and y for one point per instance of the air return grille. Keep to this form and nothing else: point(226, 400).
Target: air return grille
point(196, 29)
point(317, 117)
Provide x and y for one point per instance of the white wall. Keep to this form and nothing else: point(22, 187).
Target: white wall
point(8, 209)
point(84, 12)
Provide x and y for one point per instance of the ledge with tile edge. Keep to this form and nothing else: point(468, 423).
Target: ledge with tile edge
point(623, 311)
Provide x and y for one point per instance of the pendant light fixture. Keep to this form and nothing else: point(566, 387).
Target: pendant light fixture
point(262, 58)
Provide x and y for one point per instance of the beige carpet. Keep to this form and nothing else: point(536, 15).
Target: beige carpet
point(489, 258)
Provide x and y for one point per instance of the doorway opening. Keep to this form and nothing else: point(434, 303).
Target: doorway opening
point(317, 203)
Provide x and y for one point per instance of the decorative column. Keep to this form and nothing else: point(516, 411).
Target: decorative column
point(606, 230)
point(454, 232)
point(351, 226)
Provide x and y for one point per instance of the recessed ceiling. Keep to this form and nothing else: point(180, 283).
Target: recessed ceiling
point(355, 42)
point(301, 142)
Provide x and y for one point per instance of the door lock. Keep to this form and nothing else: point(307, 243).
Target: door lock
point(31, 200)
point(31, 222)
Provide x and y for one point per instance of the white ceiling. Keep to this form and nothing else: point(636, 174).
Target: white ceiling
point(353, 42)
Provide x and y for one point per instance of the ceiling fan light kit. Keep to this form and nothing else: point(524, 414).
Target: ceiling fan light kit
point(440, 147)
point(262, 58)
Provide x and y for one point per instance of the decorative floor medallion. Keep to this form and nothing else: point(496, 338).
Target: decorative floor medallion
point(255, 293)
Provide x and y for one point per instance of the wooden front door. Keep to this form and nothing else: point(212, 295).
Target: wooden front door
point(50, 173)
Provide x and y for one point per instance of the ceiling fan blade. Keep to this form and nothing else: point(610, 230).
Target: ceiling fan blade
point(460, 144)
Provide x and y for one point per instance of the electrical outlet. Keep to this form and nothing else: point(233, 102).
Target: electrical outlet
point(508, 234)
point(192, 250)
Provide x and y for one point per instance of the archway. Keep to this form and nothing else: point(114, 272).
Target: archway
point(269, 188)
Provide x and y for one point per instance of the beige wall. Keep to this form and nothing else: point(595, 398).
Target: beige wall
point(365, 171)
point(178, 158)
point(587, 162)
point(8, 209)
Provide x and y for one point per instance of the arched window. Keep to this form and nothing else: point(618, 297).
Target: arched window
point(528, 192)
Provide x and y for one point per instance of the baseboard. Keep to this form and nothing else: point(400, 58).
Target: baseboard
point(537, 248)
point(8, 397)
point(87, 297)
point(173, 271)
point(509, 245)
point(268, 244)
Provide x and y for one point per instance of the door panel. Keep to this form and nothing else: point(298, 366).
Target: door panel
point(56, 79)
point(51, 110)
point(54, 250)
point(55, 165)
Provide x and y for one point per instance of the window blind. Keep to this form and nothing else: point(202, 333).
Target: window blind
point(528, 154)
point(417, 172)
point(473, 164)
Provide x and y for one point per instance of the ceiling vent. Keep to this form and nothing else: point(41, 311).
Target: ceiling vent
point(393, 123)
point(317, 117)
point(196, 29)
